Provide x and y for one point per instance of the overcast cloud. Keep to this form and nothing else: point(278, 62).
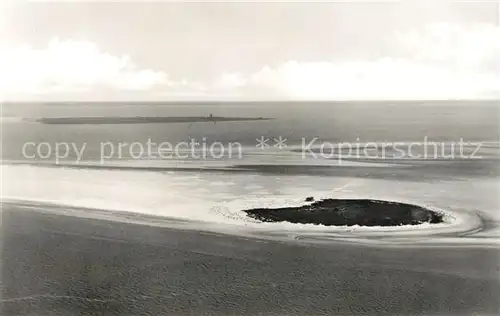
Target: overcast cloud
point(337, 51)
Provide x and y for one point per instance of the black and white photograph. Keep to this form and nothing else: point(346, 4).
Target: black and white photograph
point(271, 158)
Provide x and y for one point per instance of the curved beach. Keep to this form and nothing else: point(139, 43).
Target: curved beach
point(73, 265)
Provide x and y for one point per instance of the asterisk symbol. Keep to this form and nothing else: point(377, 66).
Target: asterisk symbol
point(280, 142)
point(262, 142)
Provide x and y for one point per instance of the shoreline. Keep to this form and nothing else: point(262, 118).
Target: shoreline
point(120, 268)
point(415, 236)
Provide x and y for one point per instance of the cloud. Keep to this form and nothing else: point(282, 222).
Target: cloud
point(442, 61)
point(71, 67)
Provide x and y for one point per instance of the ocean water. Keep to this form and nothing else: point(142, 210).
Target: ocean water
point(83, 166)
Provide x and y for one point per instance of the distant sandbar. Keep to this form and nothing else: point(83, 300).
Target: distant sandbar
point(143, 119)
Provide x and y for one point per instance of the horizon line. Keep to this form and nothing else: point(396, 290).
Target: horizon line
point(248, 100)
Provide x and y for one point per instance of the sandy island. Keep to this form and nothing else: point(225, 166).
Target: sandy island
point(143, 119)
point(349, 212)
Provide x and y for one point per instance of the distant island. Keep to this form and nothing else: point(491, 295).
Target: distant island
point(144, 119)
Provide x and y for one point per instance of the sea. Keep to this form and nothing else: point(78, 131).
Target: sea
point(201, 175)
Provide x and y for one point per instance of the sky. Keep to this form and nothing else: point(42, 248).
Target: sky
point(345, 50)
